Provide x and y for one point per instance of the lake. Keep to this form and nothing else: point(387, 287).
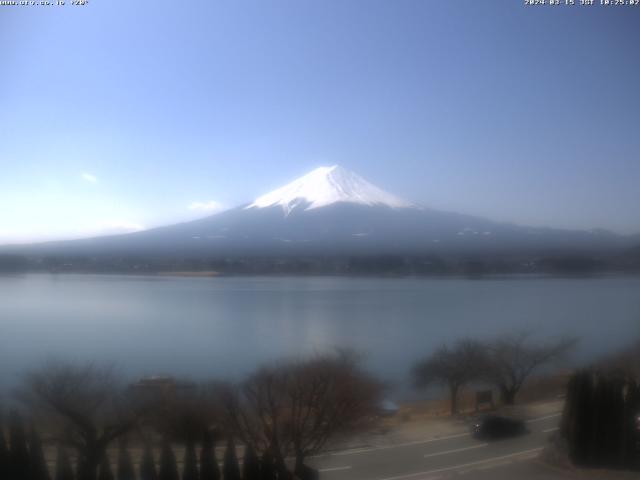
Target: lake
point(225, 326)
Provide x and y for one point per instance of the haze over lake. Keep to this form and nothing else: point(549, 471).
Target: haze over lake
point(225, 326)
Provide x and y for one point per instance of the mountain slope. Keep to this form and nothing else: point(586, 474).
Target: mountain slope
point(332, 211)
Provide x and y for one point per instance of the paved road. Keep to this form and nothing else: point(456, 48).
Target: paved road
point(435, 458)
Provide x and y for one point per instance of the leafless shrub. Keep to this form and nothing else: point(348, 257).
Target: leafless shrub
point(297, 407)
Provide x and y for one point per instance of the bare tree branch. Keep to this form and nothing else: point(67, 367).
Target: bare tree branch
point(454, 367)
point(513, 358)
point(86, 404)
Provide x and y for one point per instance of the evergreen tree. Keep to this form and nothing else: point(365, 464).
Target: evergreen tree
point(125, 465)
point(209, 469)
point(607, 433)
point(63, 465)
point(632, 407)
point(267, 468)
point(231, 468)
point(104, 470)
point(599, 420)
point(168, 466)
point(578, 422)
point(616, 430)
point(148, 465)
point(4, 453)
point(190, 463)
point(38, 464)
point(251, 464)
point(18, 454)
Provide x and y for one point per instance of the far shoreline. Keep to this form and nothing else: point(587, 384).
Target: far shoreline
point(221, 274)
point(188, 273)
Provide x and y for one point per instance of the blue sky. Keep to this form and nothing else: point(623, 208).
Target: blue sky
point(121, 115)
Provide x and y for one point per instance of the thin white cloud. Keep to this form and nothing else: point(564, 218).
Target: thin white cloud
point(88, 177)
point(210, 206)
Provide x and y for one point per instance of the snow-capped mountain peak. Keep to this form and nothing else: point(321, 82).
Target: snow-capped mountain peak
point(325, 186)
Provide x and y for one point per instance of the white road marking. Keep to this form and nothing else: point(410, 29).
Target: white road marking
point(355, 451)
point(539, 419)
point(334, 469)
point(446, 452)
point(550, 429)
point(463, 465)
point(489, 466)
point(397, 445)
point(457, 435)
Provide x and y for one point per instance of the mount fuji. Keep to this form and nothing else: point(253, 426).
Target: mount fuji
point(331, 211)
point(325, 186)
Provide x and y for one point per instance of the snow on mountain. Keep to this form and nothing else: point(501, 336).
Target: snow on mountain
point(325, 186)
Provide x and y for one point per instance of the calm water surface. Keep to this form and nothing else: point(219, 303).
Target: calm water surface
point(226, 326)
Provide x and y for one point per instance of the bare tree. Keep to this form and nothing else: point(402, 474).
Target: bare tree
point(297, 407)
point(85, 404)
point(188, 413)
point(328, 397)
point(454, 367)
point(254, 411)
point(513, 358)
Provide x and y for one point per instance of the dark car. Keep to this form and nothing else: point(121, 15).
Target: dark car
point(494, 427)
